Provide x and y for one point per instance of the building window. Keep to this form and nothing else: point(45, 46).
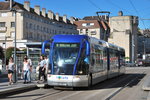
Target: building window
point(26, 25)
point(30, 26)
point(4, 14)
point(87, 31)
point(30, 36)
point(12, 34)
point(81, 30)
point(87, 24)
point(2, 24)
point(93, 32)
point(12, 24)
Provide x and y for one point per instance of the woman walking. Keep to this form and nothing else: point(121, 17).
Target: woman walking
point(26, 68)
point(42, 67)
point(10, 68)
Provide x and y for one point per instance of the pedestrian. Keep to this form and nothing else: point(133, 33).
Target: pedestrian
point(42, 67)
point(10, 68)
point(30, 68)
point(47, 63)
point(26, 68)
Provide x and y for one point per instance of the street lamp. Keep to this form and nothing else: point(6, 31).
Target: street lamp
point(144, 51)
point(15, 12)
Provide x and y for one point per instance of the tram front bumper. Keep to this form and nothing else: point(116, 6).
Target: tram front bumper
point(68, 80)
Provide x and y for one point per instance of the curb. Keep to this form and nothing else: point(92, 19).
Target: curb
point(146, 85)
point(13, 90)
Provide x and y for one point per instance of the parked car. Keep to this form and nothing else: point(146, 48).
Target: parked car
point(129, 64)
point(140, 62)
point(146, 63)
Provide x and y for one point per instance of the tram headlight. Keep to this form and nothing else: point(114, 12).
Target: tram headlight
point(80, 72)
point(60, 63)
point(49, 71)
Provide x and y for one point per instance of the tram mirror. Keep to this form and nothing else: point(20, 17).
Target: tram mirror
point(86, 60)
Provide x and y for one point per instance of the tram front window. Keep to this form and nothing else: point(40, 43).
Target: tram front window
point(64, 57)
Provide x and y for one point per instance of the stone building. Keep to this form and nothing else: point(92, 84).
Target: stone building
point(123, 33)
point(32, 24)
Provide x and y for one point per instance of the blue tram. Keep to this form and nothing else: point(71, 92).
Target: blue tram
point(81, 61)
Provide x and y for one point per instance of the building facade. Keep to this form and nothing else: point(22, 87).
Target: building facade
point(32, 24)
point(144, 42)
point(123, 33)
point(94, 27)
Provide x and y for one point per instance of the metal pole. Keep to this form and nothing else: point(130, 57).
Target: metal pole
point(5, 51)
point(15, 46)
point(144, 51)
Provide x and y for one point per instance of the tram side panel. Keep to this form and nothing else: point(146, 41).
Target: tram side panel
point(114, 64)
point(98, 65)
point(122, 63)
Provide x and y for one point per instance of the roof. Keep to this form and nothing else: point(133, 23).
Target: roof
point(97, 24)
point(5, 6)
point(96, 17)
point(80, 22)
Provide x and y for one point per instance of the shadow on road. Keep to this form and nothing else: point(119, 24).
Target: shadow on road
point(128, 80)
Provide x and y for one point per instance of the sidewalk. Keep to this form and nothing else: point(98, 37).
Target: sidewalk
point(146, 85)
point(6, 89)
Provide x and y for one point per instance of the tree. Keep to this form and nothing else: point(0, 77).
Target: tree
point(9, 52)
point(1, 53)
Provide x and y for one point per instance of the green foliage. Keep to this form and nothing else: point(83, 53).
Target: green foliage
point(9, 52)
point(127, 57)
point(1, 53)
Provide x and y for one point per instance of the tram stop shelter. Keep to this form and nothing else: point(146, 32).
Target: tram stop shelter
point(33, 52)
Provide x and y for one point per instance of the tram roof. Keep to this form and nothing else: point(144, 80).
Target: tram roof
point(78, 38)
point(69, 38)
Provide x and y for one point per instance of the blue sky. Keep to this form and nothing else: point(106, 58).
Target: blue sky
point(81, 8)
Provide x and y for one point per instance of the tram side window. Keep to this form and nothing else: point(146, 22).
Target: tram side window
point(99, 58)
point(122, 59)
point(105, 58)
point(113, 58)
point(82, 66)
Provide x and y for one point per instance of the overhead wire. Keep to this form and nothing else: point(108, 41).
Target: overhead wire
point(96, 6)
point(137, 12)
point(115, 5)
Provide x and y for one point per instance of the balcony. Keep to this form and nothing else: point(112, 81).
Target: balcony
point(3, 29)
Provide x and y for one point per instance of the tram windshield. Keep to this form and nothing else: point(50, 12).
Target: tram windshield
point(64, 57)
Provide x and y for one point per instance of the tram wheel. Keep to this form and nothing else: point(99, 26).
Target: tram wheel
point(90, 81)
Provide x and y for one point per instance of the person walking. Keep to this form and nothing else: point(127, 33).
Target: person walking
point(30, 69)
point(10, 68)
point(47, 62)
point(26, 68)
point(42, 65)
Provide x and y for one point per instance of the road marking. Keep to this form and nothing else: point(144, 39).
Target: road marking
point(111, 95)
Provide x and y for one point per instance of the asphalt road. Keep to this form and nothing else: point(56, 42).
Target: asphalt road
point(125, 87)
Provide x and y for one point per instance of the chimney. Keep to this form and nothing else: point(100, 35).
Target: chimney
point(27, 5)
point(57, 16)
point(71, 20)
point(44, 12)
point(65, 18)
point(37, 9)
point(11, 3)
point(120, 13)
point(50, 14)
